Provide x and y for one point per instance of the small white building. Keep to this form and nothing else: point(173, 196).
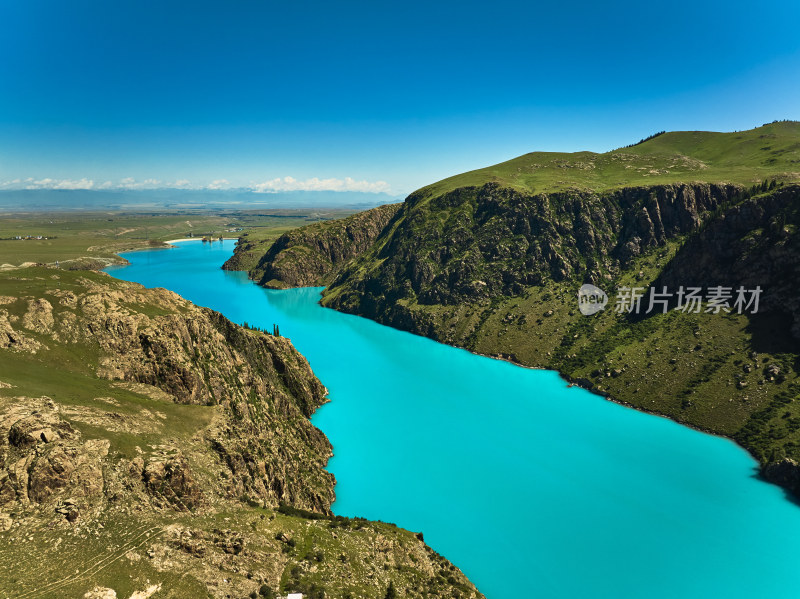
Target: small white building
point(294, 596)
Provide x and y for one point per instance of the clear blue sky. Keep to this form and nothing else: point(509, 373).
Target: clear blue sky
point(404, 93)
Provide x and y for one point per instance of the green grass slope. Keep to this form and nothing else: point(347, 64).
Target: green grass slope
point(742, 157)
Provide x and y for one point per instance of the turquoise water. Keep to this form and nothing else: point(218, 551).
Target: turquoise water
point(533, 489)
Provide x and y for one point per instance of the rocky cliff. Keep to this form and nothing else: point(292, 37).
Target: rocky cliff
point(751, 243)
point(485, 242)
point(312, 255)
point(142, 436)
point(196, 356)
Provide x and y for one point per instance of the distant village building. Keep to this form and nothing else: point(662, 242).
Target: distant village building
point(295, 596)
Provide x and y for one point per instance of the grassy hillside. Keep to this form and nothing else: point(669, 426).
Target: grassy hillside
point(151, 446)
point(744, 158)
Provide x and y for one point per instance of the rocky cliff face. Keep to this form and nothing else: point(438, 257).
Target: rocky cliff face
point(753, 243)
point(312, 255)
point(159, 435)
point(495, 243)
point(481, 243)
point(196, 356)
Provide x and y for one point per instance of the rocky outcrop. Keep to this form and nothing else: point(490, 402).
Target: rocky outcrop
point(172, 441)
point(312, 255)
point(172, 480)
point(750, 244)
point(43, 459)
point(785, 473)
point(264, 387)
point(261, 381)
point(14, 339)
point(39, 316)
point(482, 242)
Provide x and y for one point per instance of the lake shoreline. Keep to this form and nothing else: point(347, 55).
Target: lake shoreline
point(469, 430)
point(578, 382)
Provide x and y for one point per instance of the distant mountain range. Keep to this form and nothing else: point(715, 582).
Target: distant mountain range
point(30, 200)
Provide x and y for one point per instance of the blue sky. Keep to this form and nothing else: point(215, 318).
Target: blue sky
point(367, 95)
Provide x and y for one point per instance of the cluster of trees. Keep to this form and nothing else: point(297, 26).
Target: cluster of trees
point(641, 141)
point(335, 521)
point(276, 330)
point(765, 185)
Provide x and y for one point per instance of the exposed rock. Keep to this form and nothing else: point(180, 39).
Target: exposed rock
point(202, 358)
point(313, 255)
point(44, 457)
point(101, 593)
point(228, 541)
point(146, 593)
point(785, 473)
point(41, 426)
point(191, 355)
point(172, 481)
point(508, 240)
point(15, 340)
point(192, 542)
point(744, 247)
point(39, 317)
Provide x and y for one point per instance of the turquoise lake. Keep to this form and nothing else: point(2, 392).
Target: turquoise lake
point(533, 489)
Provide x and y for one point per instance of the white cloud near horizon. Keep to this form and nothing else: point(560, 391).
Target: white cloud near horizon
point(131, 183)
point(49, 183)
point(219, 184)
point(316, 184)
point(277, 184)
